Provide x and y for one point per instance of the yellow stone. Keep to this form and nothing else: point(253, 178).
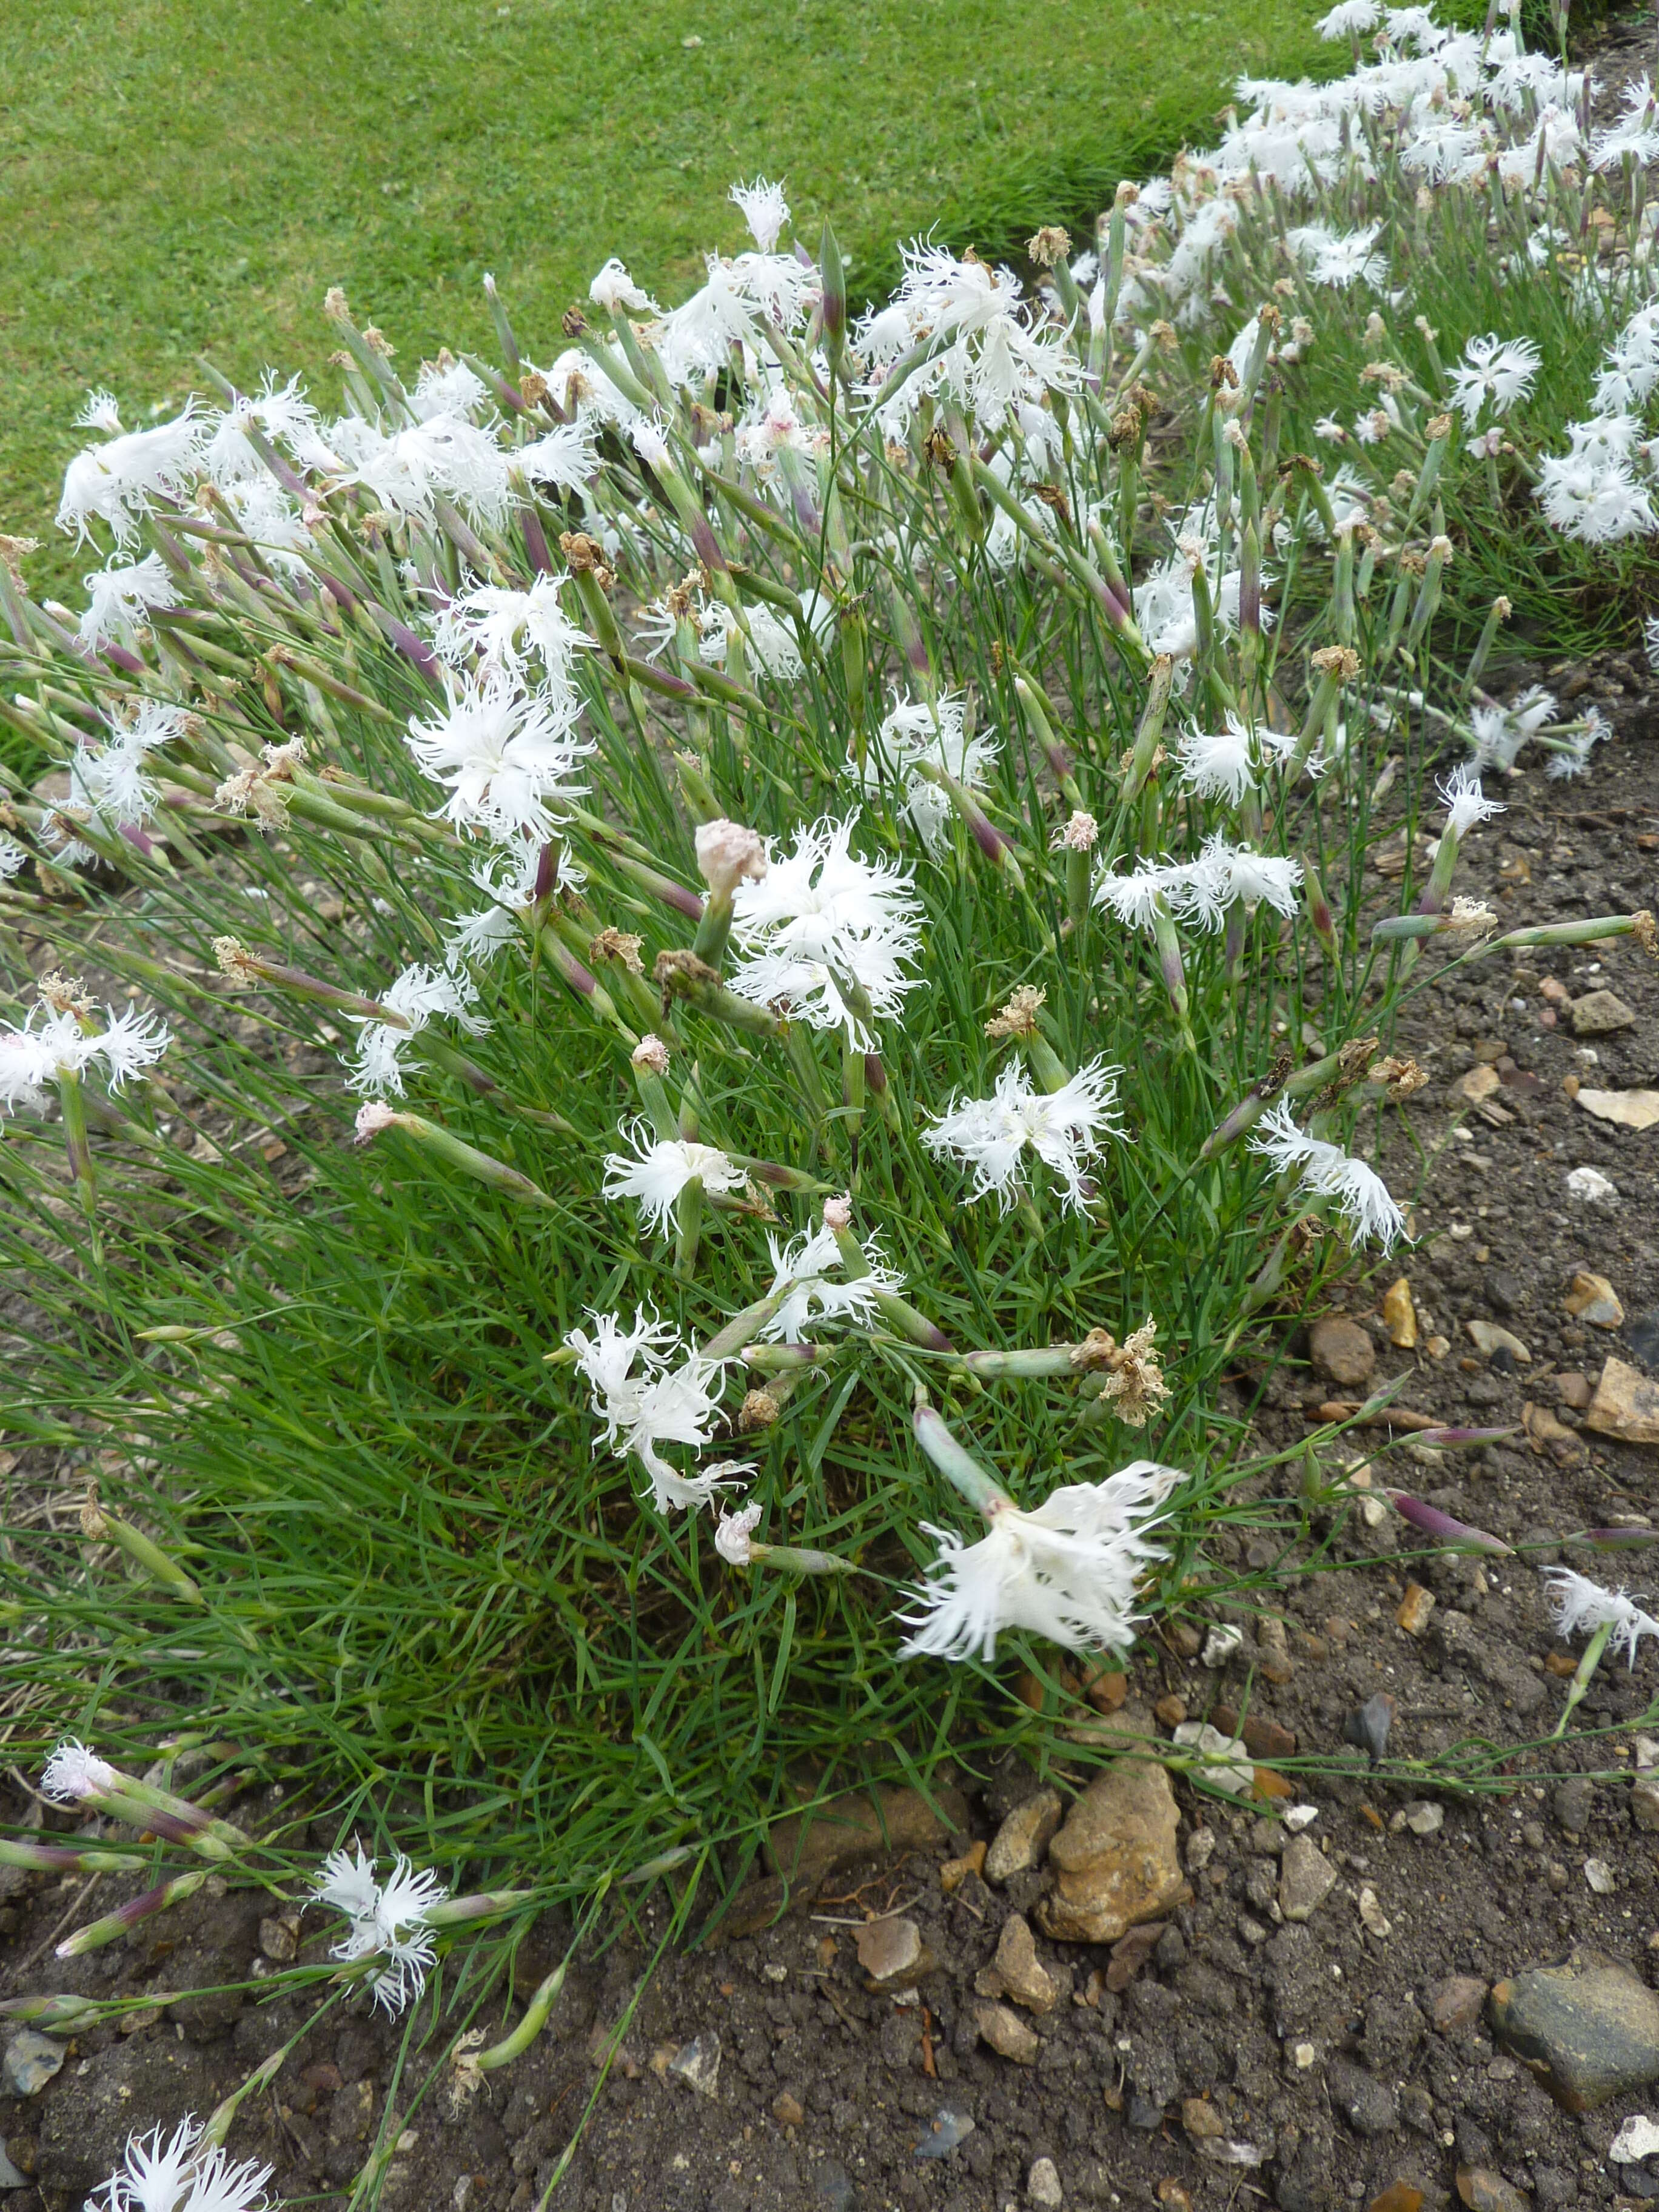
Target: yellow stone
point(1400, 1314)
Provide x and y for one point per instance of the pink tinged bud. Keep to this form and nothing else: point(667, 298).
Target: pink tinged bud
point(535, 542)
point(547, 871)
point(838, 1213)
point(412, 649)
point(1619, 1540)
point(875, 1075)
point(1433, 1523)
point(651, 1055)
point(374, 1115)
point(729, 854)
point(708, 546)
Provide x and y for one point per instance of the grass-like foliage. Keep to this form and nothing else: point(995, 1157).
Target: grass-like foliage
point(746, 969)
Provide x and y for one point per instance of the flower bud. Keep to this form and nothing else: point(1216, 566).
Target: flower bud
point(728, 854)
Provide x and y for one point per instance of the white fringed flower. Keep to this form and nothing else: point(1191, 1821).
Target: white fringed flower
point(420, 995)
point(118, 482)
point(51, 1044)
point(1237, 872)
point(1466, 804)
point(1067, 1571)
point(1326, 1171)
point(915, 735)
point(615, 290)
point(772, 643)
point(662, 1170)
point(799, 1272)
point(822, 919)
point(446, 457)
point(506, 628)
point(660, 1405)
point(567, 456)
point(180, 2172)
point(1135, 898)
point(73, 1773)
point(118, 598)
point(14, 858)
point(1221, 765)
point(508, 761)
point(1581, 1607)
point(764, 209)
point(387, 1919)
point(1064, 1128)
point(1501, 370)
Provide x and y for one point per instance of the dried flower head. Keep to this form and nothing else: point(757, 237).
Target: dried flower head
point(620, 945)
point(838, 1213)
point(651, 1055)
point(1338, 660)
point(1017, 1017)
point(234, 960)
point(1135, 1384)
point(1400, 1078)
point(1080, 833)
point(759, 1410)
point(1049, 244)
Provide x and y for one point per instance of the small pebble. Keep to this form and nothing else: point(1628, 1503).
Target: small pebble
point(1600, 1876)
point(1042, 2185)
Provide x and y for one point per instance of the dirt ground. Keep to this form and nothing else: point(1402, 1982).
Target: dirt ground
point(1321, 2077)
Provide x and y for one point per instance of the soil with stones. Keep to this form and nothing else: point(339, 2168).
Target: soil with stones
point(1304, 2017)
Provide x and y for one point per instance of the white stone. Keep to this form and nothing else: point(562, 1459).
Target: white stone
point(1221, 1643)
point(1591, 1187)
point(1637, 2139)
point(1599, 1874)
point(1377, 1921)
point(1042, 2185)
point(1300, 1817)
point(1223, 1759)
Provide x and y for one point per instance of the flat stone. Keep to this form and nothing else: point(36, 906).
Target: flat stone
point(1222, 1641)
point(1487, 1338)
point(1629, 1109)
point(1020, 1842)
point(1400, 1314)
point(1590, 2033)
point(1225, 1762)
point(1006, 2033)
point(1599, 1013)
point(1593, 1298)
point(1483, 2190)
point(1042, 2185)
point(863, 1824)
point(1455, 2002)
point(1424, 1818)
point(31, 2061)
point(892, 1953)
point(1573, 1390)
point(1341, 1349)
point(1016, 1972)
point(951, 2125)
point(1626, 1405)
point(697, 2064)
point(1306, 1878)
point(1115, 1856)
point(955, 1872)
point(1261, 1735)
point(1477, 1084)
point(1414, 1609)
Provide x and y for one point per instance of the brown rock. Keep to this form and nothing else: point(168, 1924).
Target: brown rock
point(1115, 1856)
point(1398, 2196)
point(1170, 1711)
point(1414, 1609)
point(1592, 1298)
point(787, 2111)
point(1262, 1737)
point(1341, 1350)
point(1590, 2033)
point(1599, 1013)
point(1020, 1842)
point(1487, 1338)
point(1006, 2033)
point(955, 1872)
point(1016, 1972)
point(1202, 2120)
point(1626, 1405)
point(1483, 2190)
point(1274, 1642)
point(1455, 2002)
point(892, 1952)
point(1480, 1083)
point(1561, 1664)
point(1400, 1314)
point(1574, 1390)
point(861, 1826)
point(1130, 1953)
point(1106, 1688)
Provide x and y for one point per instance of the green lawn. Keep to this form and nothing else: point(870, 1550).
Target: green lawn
point(186, 176)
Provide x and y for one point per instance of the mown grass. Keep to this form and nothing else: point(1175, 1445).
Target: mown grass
point(176, 179)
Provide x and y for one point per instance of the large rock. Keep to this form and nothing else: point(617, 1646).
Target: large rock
point(1341, 1350)
point(1019, 1843)
point(1630, 1109)
point(1114, 1857)
point(1626, 1405)
point(861, 1826)
point(1599, 1013)
point(1588, 2032)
